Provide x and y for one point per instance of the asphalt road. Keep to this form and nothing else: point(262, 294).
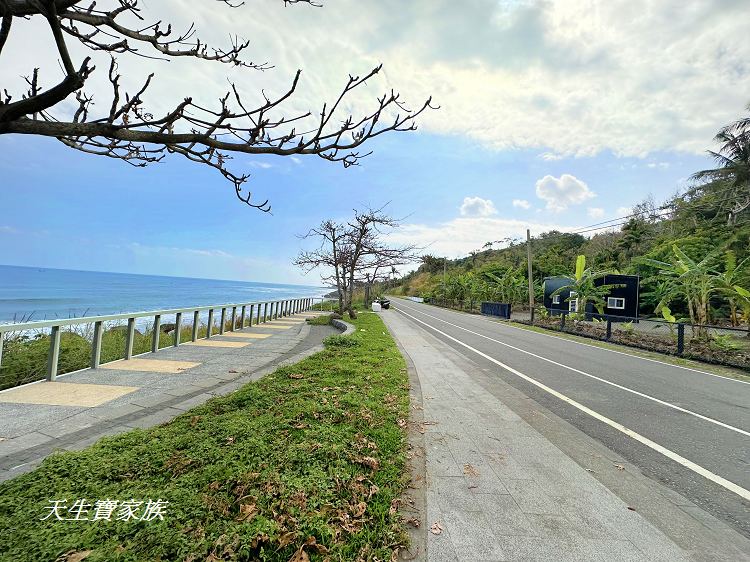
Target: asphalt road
point(687, 429)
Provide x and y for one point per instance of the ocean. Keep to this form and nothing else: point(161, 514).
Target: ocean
point(35, 293)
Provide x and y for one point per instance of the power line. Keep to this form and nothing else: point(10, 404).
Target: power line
point(665, 210)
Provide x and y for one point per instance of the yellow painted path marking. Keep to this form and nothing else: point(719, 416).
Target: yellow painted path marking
point(154, 365)
point(247, 335)
point(218, 343)
point(65, 394)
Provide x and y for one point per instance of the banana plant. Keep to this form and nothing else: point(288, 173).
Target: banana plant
point(695, 281)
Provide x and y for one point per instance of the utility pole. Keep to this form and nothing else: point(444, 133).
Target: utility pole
point(445, 266)
point(531, 281)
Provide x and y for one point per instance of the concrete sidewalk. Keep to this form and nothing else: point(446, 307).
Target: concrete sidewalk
point(80, 408)
point(496, 489)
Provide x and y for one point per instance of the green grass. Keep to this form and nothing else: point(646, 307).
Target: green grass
point(323, 320)
point(313, 450)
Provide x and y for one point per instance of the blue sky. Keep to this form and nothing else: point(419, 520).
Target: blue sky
point(572, 142)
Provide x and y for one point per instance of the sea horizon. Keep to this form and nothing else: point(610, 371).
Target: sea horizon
point(29, 293)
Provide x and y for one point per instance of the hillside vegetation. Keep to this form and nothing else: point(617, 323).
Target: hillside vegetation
point(692, 252)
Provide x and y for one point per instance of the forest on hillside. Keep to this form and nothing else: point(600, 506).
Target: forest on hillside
point(692, 252)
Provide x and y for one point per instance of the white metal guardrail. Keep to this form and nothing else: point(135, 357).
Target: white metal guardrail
point(244, 312)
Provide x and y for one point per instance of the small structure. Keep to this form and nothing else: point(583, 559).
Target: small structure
point(500, 309)
point(621, 301)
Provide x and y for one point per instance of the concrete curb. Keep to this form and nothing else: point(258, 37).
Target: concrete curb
point(416, 498)
point(347, 329)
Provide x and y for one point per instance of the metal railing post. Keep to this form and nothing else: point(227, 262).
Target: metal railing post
point(609, 329)
point(96, 345)
point(265, 311)
point(680, 338)
point(196, 325)
point(233, 319)
point(156, 334)
point(252, 310)
point(562, 321)
point(177, 328)
point(223, 320)
point(129, 339)
point(210, 322)
point(275, 310)
point(243, 313)
point(54, 353)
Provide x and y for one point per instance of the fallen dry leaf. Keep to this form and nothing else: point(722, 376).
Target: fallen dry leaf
point(300, 555)
point(414, 522)
point(619, 467)
point(287, 539)
point(394, 506)
point(469, 470)
point(359, 509)
point(247, 512)
point(631, 508)
point(296, 376)
point(371, 462)
point(436, 528)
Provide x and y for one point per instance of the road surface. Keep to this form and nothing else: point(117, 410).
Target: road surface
point(685, 428)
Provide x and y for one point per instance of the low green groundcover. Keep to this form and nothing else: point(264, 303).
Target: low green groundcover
point(308, 462)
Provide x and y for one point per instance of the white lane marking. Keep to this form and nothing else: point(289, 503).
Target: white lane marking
point(729, 379)
point(723, 482)
point(605, 381)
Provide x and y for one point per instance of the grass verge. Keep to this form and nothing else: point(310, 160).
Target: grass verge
point(323, 320)
point(308, 462)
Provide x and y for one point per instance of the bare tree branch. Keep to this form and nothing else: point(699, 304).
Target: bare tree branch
point(129, 132)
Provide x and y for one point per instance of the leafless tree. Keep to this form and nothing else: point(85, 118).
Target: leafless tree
point(355, 253)
point(207, 135)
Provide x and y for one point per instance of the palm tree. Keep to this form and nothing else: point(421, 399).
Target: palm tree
point(585, 289)
point(733, 159)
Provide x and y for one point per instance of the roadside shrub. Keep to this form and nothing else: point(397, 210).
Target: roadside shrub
point(340, 341)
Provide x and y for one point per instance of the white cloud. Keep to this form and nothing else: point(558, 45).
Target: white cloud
point(568, 77)
point(477, 207)
point(660, 165)
point(550, 156)
point(595, 212)
point(521, 204)
point(459, 236)
point(261, 165)
point(560, 193)
point(8, 229)
point(623, 211)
